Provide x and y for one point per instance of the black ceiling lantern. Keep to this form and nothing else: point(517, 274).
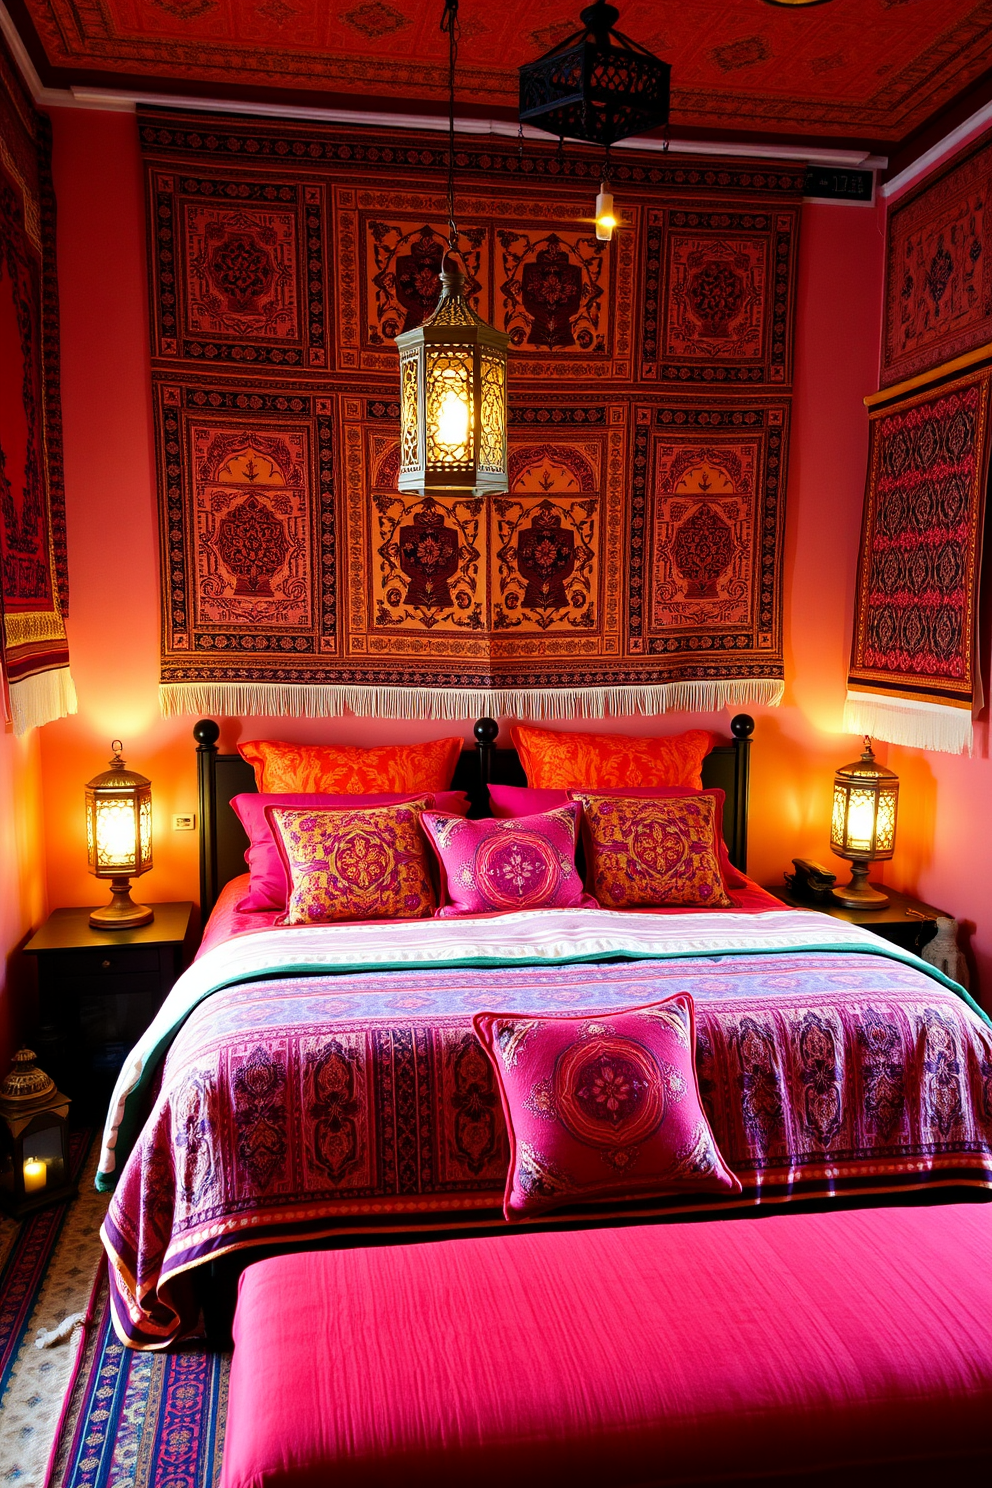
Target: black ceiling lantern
point(596, 85)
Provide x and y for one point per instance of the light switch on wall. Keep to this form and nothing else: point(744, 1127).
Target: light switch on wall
point(184, 821)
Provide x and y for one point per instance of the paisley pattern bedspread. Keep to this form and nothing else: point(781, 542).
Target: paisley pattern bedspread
point(299, 1108)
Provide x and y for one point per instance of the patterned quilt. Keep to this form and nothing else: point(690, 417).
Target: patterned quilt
point(344, 1101)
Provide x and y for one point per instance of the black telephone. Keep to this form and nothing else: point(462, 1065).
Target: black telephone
point(810, 880)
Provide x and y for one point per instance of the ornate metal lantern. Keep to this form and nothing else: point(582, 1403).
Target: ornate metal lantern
point(119, 840)
point(596, 85)
point(452, 369)
point(34, 1167)
point(863, 825)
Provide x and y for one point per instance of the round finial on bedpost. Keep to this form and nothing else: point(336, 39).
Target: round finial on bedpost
point(742, 726)
point(206, 733)
point(486, 732)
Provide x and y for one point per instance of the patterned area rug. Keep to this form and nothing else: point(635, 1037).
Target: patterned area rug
point(47, 1265)
point(119, 1417)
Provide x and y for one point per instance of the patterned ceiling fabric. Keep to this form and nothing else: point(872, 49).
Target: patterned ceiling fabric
point(860, 72)
point(635, 563)
point(34, 654)
point(938, 281)
point(914, 675)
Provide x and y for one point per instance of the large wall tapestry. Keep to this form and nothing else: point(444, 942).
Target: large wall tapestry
point(938, 278)
point(34, 652)
point(914, 667)
point(634, 563)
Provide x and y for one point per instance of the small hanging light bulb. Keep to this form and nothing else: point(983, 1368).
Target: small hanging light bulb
point(605, 220)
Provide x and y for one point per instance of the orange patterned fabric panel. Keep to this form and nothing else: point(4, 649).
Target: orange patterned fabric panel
point(344, 769)
point(643, 853)
point(557, 761)
point(353, 865)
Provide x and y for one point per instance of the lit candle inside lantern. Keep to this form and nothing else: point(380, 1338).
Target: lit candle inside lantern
point(860, 820)
point(452, 419)
point(35, 1174)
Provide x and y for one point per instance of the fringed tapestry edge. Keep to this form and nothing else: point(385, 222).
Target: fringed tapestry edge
point(41, 699)
point(271, 700)
point(934, 726)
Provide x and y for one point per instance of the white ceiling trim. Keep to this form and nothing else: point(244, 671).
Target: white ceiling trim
point(937, 153)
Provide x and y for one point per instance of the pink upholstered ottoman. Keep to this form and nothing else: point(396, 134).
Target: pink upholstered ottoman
point(669, 1354)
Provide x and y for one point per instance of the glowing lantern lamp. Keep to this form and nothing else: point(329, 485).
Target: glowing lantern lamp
point(452, 369)
point(119, 840)
point(863, 825)
point(34, 1132)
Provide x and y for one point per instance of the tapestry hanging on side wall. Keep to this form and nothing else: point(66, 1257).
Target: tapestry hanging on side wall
point(634, 564)
point(37, 686)
point(914, 675)
point(938, 268)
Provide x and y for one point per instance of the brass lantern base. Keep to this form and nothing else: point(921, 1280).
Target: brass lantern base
point(859, 894)
point(121, 913)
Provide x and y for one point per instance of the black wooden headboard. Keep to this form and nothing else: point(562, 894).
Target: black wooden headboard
point(222, 776)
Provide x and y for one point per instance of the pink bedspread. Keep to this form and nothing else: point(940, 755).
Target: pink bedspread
point(226, 921)
point(303, 1107)
point(826, 1343)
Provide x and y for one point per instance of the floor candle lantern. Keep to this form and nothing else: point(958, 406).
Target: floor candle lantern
point(34, 1132)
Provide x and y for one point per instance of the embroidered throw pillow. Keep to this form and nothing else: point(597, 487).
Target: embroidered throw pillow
point(602, 1106)
point(267, 887)
point(527, 863)
point(558, 761)
point(363, 864)
point(652, 852)
point(521, 800)
point(343, 769)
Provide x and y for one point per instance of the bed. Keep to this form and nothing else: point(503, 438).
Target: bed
point(322, 1085)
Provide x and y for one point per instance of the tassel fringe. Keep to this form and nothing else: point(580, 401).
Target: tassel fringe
point(41, 699)
point(299, 700)
point(49, 1337)
point(918, 725)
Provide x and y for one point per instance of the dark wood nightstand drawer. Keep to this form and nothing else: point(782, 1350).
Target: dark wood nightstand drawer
point(116, 986)
point(104, 961)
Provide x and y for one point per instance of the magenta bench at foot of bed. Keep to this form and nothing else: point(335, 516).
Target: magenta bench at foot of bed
point(606, 1358)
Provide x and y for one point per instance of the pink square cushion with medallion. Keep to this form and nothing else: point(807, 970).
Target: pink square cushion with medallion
point(524, 863)
point(604, 1106)
point(267, 884)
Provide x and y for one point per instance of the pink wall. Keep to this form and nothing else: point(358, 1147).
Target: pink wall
point(113, 547)
point(22, 881)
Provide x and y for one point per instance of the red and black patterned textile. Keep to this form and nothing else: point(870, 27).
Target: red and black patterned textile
point(914, 665)
point(635, 561)
point(938, 285)
point(33, 574)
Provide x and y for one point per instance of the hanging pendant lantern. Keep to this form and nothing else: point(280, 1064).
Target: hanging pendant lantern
point(452, 369)
point(597, 85)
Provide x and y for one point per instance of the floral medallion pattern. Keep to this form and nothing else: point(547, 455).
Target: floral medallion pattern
point(938, 286)
point(653, 852)
point(525, 862)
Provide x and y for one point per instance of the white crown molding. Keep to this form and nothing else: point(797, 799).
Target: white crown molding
point(926, 162)
point(123, 100)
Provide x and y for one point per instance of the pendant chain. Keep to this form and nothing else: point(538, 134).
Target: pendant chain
point(449, 25)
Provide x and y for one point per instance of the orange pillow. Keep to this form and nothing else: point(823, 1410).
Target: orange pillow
point(554, 761)
point(644, 853)
point(353, 865)
point(344, 769)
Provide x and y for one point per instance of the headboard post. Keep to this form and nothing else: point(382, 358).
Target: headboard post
point(486, 733)
point(742, 727)
point(206, 733)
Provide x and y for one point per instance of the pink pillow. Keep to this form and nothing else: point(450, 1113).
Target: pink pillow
point(604, 1106)
point(268, 886)
point(520, 800)
point(526, 863)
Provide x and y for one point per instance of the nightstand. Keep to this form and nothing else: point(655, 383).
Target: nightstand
point(97, 992)
point(905, 921)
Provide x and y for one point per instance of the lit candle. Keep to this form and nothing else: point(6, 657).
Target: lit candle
point(35, 1175)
